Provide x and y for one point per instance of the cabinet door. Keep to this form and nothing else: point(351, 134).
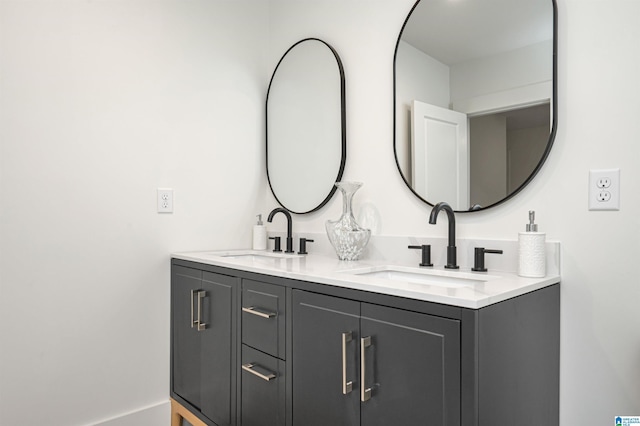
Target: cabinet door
point(412, 367)
point(217, 357)
point(186, 345)
point(203, 355)
point(317, 366)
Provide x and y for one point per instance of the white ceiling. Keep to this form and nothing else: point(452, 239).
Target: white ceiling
point(454, 31)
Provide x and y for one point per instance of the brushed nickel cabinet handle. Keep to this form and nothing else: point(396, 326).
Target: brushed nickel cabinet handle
point(193, 321)
point(346, 386)
point(365, 393)
point(259, 312)
point(252, 368)
point(201, 325)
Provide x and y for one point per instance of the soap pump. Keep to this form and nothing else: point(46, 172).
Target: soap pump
point(532, 226)
point(531, 250)
point(259, 235)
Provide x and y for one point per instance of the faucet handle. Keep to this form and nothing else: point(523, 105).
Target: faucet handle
point(478, 258)
point(276, 243)
point(426, 254)
point(303, 245)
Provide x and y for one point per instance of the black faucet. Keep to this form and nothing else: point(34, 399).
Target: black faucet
point(289, 226)
point(451, 246)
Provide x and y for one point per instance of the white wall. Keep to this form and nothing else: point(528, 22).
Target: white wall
point(506, 71)
point(599, 69)
point(422, 78)
point(102, 102)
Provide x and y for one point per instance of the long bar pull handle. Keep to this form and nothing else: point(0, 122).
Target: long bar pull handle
point(193, 321)
point(252, 368)
point(201, 325)
point(346, 386)
point(365, 393)
point(259, 312)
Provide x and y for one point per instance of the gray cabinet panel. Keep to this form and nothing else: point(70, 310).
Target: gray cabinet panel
point(203, 358)
point(411, 363)
point(519, 377)
point(216, 355)
point(263, 401)
point(413, 368)
point(265, 334)
point(318, 324)
point(186, 343)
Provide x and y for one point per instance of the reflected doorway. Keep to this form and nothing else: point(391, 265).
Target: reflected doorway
point(505, 149)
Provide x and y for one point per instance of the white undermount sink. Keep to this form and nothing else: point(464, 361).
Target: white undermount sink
point(430, 277)
point(255, 255)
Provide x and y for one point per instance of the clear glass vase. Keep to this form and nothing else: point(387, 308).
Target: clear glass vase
point(347, 237)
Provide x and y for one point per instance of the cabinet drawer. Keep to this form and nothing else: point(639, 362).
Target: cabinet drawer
point(263, 389)
point(263, 317)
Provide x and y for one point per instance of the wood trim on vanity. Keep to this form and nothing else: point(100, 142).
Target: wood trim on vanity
point(178, 412)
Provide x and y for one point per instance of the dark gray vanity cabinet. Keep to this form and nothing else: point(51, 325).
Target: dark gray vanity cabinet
point(203, 333)
point(364, 364)
point(257, 350)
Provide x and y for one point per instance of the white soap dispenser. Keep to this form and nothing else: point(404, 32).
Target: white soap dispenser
point(259, 235)
point(531, 251)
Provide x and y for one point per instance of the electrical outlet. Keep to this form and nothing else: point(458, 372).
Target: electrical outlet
point(604, 189)
point(165, 200)
point(603, 182)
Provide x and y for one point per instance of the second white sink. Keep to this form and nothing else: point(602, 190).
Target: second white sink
point(431, 277)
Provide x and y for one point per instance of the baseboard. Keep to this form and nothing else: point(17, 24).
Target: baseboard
point(153, 415)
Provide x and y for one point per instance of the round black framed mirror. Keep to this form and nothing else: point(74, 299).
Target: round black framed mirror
point(475, 98)
point(306, 133)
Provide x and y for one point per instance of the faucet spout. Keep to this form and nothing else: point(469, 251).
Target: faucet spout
point(451, 245)
point(289, 226)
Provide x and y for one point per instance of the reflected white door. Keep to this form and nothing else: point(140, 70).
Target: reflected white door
point(440, 154)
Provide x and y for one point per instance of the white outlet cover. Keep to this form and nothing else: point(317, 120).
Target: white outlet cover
point(165, 200)
point(607, 197)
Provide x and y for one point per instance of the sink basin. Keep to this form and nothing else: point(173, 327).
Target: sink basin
point(430, 277)
point(251, 256)
point(254, 255)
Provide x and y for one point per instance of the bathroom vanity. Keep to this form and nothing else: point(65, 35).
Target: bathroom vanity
point(266, 340)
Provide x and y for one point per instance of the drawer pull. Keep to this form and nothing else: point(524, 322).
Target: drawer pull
point(264, 375)
point(259, 312)
point(346, 386)
point(365, 393)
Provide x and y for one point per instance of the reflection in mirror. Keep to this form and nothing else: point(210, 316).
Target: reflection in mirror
point(475, 98)
point(306, 142)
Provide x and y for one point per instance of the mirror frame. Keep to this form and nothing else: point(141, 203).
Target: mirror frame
point(554, 115)
point(343, 126)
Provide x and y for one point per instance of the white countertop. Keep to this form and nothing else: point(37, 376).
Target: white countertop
point(483, 289)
